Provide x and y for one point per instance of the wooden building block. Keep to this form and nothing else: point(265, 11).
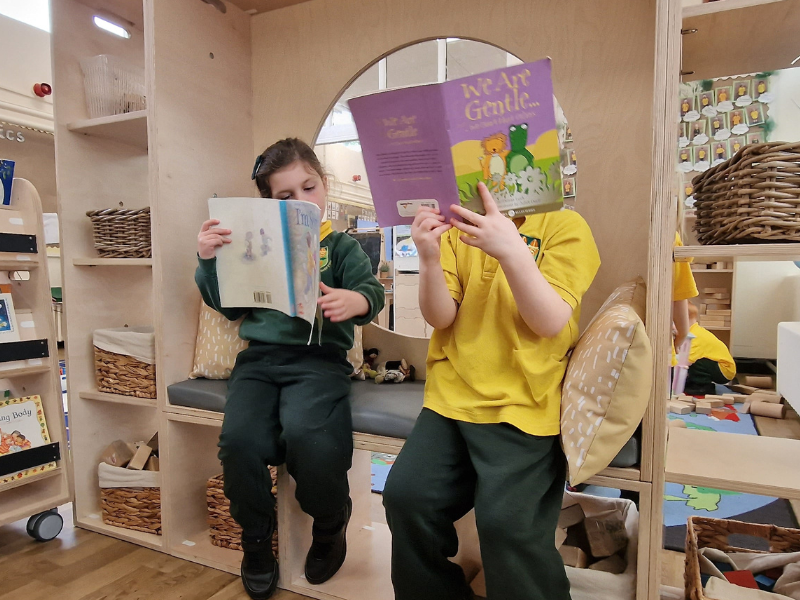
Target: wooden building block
point(679, 423)
point(711, 323)
point(152, 464)
point(613, 564)
point(719, 313)
point(714, 402)
point(679, 408)
point(763, 396)
point(571, 515)
point(717, 305)
point(573, 557)
point(719, 265)
point(703, 409)
point(767, 409)
point(714, 290)
point(759, 381)
point(117, 454)
point(139, 459)
point(735, 398)
point(744, 389)
point(745, 409)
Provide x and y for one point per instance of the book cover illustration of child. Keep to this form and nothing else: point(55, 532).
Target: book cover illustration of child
point(22, 427)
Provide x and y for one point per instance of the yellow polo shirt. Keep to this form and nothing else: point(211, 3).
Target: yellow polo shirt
point(683, 285)
point(488, 366)
point(706, 345)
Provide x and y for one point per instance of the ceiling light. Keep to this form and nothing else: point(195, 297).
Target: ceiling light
point(111, 27)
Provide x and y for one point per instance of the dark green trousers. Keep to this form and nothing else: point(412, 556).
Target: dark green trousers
point(287, 404)
point(515, 482)
point(702, 376)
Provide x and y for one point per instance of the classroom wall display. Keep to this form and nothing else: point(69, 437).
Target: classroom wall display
point(717, 119)
point(22, 427)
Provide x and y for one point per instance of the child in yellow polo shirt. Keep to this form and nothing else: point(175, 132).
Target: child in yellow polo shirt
point(504, 299)
point(710, 361)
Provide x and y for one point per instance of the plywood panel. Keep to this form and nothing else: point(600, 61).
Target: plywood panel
point(609, 60)
point(200, 145)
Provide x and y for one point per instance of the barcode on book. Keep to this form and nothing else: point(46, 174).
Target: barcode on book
point(262, 297)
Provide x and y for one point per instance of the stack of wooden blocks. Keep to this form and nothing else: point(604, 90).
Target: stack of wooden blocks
point(715, 311)
point(714, 266)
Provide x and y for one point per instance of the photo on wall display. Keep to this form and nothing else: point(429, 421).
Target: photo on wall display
point(697, 132)
point(755, 138)
point(724, 97)
point(705, 102)
point(738, 122)
point(761, 91)
point(688, 110)
point(736, 143)
point(720, 152)
point(569, 187)
point(702, 158)
point(741, 93)
point(755, 115)
point(718, 127)
point(685, 163)
point(683, 134)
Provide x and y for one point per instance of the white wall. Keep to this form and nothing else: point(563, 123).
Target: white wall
point(26, 61)
point(785, 109)
point(765, 294)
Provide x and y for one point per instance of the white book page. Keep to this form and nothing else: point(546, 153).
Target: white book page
point(252, 270)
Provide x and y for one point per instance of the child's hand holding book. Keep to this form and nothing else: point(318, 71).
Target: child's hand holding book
point(210, 238)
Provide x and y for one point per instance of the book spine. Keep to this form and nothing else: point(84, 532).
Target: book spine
point(287, 251)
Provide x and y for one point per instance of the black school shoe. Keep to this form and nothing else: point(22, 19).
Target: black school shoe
point(328, 550)
point(259, 568)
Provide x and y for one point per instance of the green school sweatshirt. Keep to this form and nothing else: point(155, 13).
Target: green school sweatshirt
point(343, 264)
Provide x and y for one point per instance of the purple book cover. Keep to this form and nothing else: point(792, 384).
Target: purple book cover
point(432, 144)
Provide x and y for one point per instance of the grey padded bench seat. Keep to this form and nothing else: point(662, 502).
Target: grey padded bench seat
point(388, 410)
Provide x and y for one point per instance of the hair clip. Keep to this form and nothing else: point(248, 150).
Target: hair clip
point(257, 166)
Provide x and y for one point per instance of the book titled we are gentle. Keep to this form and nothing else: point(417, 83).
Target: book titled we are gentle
point(431, 145)
point(273, 258)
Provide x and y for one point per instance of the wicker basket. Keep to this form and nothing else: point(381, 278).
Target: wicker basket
point(132, 508)
point(124, 375)
point(702, 532)
point(121, 233)
point(752, 197)
point(225, 532)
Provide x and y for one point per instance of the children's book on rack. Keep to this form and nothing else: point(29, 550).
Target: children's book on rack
point(273, 259)
point(432, 144)
point(22, 427)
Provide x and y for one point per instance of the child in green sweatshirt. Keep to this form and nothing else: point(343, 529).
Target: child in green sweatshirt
point(288, 400)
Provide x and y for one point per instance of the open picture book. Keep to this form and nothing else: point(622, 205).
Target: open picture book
point(273, 258)
point(432, 144)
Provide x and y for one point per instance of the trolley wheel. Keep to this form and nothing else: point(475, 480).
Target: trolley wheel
point(45, 526)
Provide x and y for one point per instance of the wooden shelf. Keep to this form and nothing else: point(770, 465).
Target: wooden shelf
point(710, 8)
point(118, 399)
point(712, 328)
point(10, 262)
point(712, 270)
point(112, 262)
point(755, 251)
point(199, 549)
point(21, 371)
point(734, 462)
point(709, 52)
point(20, 482)
point(95, 523)
point(130, 128)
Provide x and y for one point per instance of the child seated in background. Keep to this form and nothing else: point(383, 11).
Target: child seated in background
point(710, 361)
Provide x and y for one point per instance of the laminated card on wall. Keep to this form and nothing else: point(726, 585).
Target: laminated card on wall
point(273, 258)
point(432, 144)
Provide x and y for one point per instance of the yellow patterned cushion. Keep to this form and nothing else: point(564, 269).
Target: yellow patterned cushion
point(217, 345)
point(607, 386)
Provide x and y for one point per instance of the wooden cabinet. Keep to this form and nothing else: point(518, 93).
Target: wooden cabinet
point(408, 318)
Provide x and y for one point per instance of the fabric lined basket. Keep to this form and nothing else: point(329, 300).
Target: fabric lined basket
point(130, 499)
point(121, 233)
point(754, 196)
point(702, 532)
point(124, 360)
point(224, 531)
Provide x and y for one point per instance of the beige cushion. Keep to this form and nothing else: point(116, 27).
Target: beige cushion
point(217, 345)
point(607, 386)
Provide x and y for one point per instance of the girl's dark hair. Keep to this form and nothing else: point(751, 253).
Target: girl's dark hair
point(281, 154)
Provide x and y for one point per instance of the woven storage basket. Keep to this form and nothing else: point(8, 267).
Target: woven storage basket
point(702, 532)
point(121, 233)
point(754, 196)
point(225, 532)
point(121, 372)
point(132, 508)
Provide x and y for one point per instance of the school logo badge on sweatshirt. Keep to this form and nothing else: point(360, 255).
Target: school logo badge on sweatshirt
point(534, 245)
point(323, 258)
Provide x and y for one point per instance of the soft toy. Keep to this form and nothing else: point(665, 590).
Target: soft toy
point(395, 371)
